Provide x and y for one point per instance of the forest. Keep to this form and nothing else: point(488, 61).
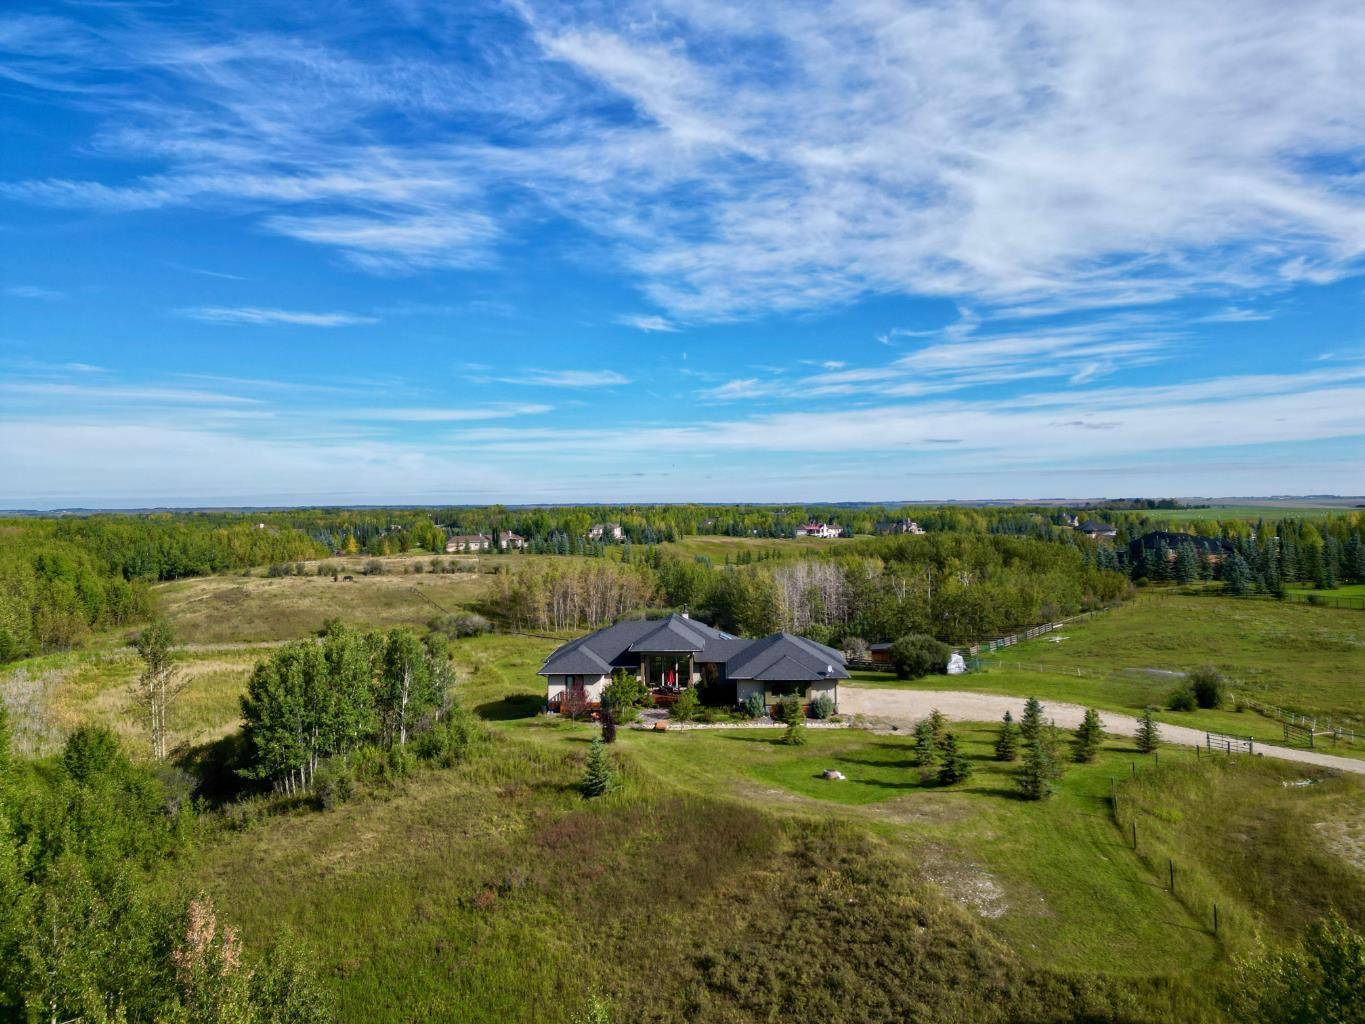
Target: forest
point(975, 571)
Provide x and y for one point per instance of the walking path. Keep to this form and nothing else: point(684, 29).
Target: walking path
point(908, 706)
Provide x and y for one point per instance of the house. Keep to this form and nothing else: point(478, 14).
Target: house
point(1096, 530)
point(509, 541)
point(819, 530)
point(606, 531)
point(673, 653)
point(468, 542)
point(900, 526)
point(1069, 520)
point(1212, 548)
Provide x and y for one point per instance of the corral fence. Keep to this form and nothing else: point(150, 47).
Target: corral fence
point(1301, 727)
point(1225, 744)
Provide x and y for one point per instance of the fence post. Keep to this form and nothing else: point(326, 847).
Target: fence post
point(1215, 919)
point(1133, 765)
point(1135, 833)
point(1171, 865)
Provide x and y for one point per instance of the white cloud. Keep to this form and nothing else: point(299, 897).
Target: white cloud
point(418, 415)
point(260, 315)
point(33, 291)
point(1033, 157)
point(648, 323)
point(1234, 315)
point(569, 378)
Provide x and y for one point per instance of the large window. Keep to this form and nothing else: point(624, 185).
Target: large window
point(669, 671)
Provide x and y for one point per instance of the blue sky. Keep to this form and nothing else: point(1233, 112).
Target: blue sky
point(395, 252)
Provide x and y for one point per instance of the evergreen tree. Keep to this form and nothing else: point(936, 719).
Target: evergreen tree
point(939, 726)
point(1037, 774)
point(1089, 735)
point(795, 717)
point(1148, 734)
point(1186, 563)
point(955, 768)
point(1236, 575)
point(599, 777)
point(926, 749)
point(1032, 720)
point(1007, 743)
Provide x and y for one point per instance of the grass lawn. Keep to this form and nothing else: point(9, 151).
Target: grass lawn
point(1301, 658)
point(1347, 590)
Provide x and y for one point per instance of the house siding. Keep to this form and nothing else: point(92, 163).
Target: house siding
point(592, 686)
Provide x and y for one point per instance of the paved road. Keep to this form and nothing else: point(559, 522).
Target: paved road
point(904, 707)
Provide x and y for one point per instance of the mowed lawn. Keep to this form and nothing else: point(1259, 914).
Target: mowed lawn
point(1302, 658)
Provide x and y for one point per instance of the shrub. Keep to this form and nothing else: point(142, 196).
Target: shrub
point(1182, 699)
point(754, 706)
point(334, 783)
point(374, 567)
point(625, 695)
point(687, 708)
point(450, 740)
point(822, 707)
point(608, 726)
point(91, 751)
point(918, 654)
point(461, 624)
point(1208, 686)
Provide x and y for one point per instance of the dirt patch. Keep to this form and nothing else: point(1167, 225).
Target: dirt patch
point(965, 883)
point(1346, 839)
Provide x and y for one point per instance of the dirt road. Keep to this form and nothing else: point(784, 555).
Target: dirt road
point(904, 707)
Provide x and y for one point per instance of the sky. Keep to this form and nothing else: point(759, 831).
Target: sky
point(429, 253)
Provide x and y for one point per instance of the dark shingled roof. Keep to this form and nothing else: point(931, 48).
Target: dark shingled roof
point(1208, 545)
point(781, 657)
point(1095, 526)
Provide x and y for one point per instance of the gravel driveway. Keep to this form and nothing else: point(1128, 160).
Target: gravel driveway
point(904, 707)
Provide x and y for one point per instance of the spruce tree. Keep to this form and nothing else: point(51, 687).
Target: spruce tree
point(926, 749)
point(956, 768)
point(1032, 721)
point(1007, 743)
point(939, 725)
point(1148, 734)
point(598, 778)
point(1089, 735)
point(1039, 769)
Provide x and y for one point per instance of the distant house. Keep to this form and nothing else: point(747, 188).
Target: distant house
point(509, 541)
point(1096, 530)
point(1070, 520)
point(819, 530)
point(606, 531)
point(900, 526)
point(675, 653)
point(468, 542)
point(1212, 548)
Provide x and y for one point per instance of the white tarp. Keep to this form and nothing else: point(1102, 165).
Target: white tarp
point(956, 666)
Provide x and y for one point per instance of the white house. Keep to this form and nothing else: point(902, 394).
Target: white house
point(819, 530)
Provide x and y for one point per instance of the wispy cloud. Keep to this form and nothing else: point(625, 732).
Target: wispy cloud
point(1023, 157)
point(32, 291)
point(648, 323)
point(1234, 315)
point(260, 315)
point(418, 415)
point(568, 378)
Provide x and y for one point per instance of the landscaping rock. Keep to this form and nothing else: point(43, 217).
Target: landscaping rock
point(830, 773)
